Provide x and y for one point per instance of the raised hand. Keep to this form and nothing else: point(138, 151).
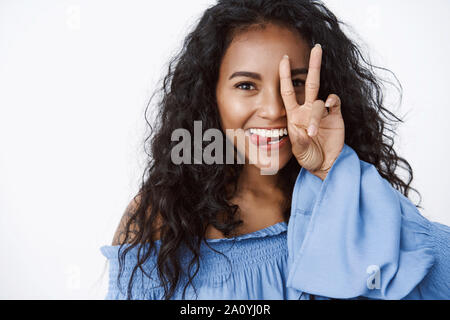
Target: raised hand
point(317, 135)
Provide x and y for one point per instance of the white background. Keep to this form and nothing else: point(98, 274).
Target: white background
point(75, 77)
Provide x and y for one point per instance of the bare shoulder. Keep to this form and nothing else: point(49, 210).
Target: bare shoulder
point(119, 235)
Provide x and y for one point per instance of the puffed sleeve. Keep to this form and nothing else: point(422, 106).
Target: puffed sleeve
point(354, 236)
point(143, 287)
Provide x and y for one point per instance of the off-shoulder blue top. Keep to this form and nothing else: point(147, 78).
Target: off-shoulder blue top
point(351, 236)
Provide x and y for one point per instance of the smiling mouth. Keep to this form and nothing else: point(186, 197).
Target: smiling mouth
point(267, 137)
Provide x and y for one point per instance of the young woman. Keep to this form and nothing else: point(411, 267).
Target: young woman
point(331, 221)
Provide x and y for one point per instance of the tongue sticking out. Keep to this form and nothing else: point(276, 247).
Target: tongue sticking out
point(262, 140)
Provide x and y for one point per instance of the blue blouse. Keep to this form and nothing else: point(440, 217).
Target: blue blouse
point(351, 236)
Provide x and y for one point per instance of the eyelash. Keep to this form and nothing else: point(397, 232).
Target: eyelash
point(250, 83)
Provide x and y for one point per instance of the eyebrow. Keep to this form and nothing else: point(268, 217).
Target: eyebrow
point(257, 76)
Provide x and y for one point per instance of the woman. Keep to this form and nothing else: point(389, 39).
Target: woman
point(330, 220)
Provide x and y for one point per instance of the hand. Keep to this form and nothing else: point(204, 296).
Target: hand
point(317, 135)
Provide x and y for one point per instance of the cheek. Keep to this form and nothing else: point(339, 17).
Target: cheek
point(234, 112)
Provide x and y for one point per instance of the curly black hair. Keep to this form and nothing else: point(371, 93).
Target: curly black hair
point(184, 198)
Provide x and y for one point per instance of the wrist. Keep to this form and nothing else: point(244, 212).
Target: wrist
point(320, 174)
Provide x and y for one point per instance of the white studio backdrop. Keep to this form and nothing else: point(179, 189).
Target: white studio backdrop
point(75, 77)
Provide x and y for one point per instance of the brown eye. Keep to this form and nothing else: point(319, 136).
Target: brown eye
point(245, 86)
point(298, 82)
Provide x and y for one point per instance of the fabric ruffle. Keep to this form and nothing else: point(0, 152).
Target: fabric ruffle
point(249, 259)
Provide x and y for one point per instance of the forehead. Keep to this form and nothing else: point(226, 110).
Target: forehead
point(261, 49)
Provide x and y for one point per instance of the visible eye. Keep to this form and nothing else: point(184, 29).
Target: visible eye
point(245, 86)
point(298, 82)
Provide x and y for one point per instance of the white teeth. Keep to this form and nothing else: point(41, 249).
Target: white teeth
point(273, 133)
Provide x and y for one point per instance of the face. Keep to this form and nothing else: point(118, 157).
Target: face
point(248, 92)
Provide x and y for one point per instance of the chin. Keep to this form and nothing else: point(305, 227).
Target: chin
point(270, 165)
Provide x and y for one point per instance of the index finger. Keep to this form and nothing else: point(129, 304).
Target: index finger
point(312, 83)
point(287, 89)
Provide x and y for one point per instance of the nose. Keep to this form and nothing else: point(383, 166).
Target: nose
point(272, 106)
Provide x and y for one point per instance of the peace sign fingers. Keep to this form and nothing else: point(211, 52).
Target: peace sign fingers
point(312, 83)
point(287, 89)
point(317, 147)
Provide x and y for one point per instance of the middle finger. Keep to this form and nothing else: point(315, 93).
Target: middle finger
point(312, 83)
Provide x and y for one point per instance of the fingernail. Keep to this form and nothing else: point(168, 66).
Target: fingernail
point(328, 103)
point(286, 56)
point(312, 130)
point(318, 45)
